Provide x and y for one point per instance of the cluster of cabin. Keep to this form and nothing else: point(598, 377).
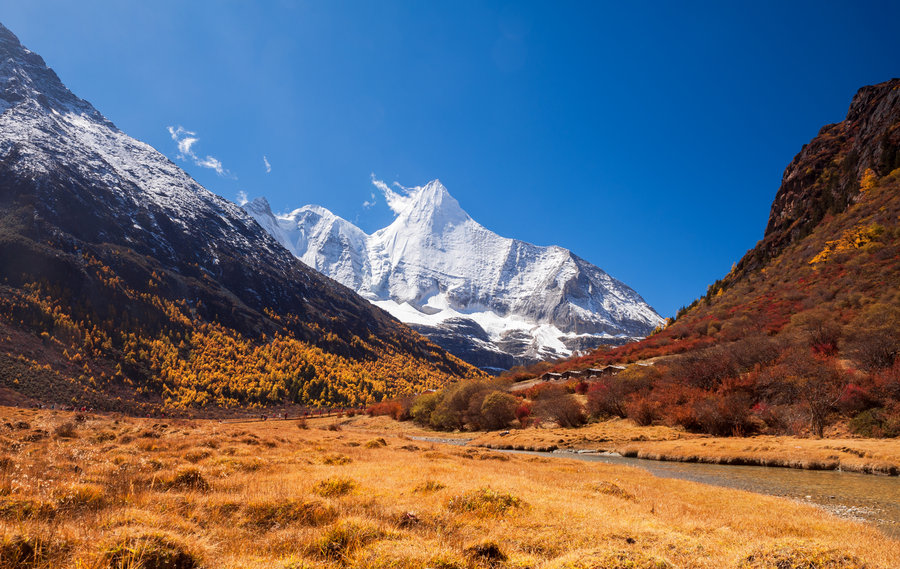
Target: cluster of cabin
point(583, 374)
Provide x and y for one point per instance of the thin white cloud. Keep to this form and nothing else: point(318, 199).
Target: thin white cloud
point(212, 164)
point(184, 146)
point(185, 140)
point(242, 198)
point(268, 166)
point(379, 184)
point(369, 202)
point(397, 202)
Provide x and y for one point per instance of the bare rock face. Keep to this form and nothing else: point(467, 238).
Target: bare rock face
point(825, 176)
point(467, 340)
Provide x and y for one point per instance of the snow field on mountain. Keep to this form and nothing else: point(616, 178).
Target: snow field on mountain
point(434, 262)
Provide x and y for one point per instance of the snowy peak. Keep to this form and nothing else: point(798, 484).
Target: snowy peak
point(260, 205)
point(322, 240)
point(436, 268)
point(25, 78)
point(102, 185)
point(317, 215)
point(430, 206)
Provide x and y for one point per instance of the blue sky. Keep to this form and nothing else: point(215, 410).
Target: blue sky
point(649, 138)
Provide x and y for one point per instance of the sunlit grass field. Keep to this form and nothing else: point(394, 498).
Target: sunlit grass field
point(88, 491)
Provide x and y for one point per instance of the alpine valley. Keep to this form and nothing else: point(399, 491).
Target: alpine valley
point(191, 383)
point(493, 301)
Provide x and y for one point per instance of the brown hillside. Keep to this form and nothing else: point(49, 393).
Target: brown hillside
point(824, 178)
point(805, 331)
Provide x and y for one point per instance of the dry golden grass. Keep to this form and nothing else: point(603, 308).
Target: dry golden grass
point(881, 456)
point(135, 493)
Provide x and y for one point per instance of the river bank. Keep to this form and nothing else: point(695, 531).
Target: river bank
point(807, 478)
point(867, 456)
point(622, 436)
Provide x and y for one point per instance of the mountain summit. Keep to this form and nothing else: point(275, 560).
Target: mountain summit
point(491, 300)
point(430, 209)
point(26, 80)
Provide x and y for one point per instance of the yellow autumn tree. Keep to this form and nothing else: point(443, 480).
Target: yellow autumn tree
point(869, 180)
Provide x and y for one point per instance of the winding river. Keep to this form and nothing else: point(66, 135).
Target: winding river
point(863, 497)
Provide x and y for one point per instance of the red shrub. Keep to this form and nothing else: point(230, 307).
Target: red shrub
point(854, 399)
point(523, 413)
point(683, 416)
point(704, 368)
point(781, 419)
point(545, 391)
point(887, 383)
point(744, 384)
point(564, 410)
point(397, 409)
point(725, 415)
point(675, 402)
point(607, 396)
point(606, 399)
point(825, 349)
point(642, 410)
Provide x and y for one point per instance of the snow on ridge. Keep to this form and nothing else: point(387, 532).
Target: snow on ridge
point(433, 262)
point(44, 127)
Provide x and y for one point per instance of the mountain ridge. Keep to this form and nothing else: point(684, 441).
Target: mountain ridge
point(436, 268)
point(814, 186)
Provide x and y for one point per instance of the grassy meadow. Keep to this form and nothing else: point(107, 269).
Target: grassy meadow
point(91, 491)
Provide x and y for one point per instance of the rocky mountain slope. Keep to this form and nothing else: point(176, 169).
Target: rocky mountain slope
point(491, 300)
point(117, 258)
point(805, 330)
point(825, 177)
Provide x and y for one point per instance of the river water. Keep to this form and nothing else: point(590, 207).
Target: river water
point(863, 497)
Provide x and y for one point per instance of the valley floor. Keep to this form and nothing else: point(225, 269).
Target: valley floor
point(95, 491)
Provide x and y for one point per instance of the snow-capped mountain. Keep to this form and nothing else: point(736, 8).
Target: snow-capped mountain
point(491, 300)
point(74, 189)
point(48, 133)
